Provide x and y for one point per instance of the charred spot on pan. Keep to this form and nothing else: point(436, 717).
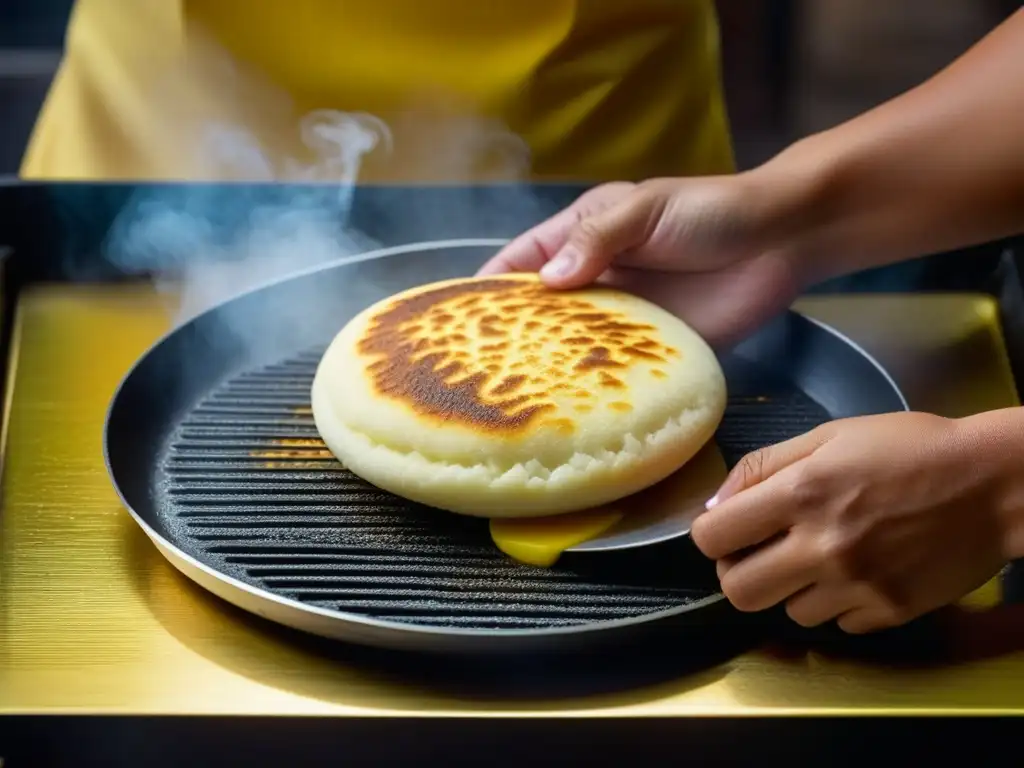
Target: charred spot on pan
point(300, 442)
point(310, 449)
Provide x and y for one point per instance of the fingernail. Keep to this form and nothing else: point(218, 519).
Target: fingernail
point(562, 265)
point(713, 501)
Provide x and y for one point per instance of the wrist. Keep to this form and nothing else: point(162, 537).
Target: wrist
point(788, 195)
point(994, 443)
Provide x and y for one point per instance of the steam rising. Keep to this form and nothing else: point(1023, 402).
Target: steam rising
point(203, 244)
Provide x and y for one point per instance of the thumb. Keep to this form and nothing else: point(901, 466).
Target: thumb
point(759, 465)
point(596, 240)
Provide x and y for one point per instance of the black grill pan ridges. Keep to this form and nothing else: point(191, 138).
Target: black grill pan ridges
point(296, 539)
point(246, 486)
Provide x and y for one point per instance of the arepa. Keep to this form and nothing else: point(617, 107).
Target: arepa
point(499, 397)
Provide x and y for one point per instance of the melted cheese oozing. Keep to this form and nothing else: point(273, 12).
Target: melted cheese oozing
point(542, 540)
point(667, 505)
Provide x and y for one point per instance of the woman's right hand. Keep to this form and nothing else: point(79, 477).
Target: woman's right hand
point(711, 250)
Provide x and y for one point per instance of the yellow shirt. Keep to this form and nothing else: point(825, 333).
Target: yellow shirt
point(447, 90)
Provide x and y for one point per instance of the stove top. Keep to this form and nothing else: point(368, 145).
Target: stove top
point(95, 620)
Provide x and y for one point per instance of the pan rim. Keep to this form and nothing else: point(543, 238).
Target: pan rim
point(863, 353)
point(393, 628)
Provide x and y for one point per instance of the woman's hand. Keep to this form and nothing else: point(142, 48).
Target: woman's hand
point(703, 248)
point(935, 169)
point(873, 521)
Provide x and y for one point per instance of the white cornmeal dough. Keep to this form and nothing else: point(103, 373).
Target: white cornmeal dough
point(497, 397)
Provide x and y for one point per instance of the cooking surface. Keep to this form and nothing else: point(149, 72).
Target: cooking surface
point(246, 485)
point(92, 618)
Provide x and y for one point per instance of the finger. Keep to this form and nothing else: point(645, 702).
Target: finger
point(595, 241)
point(756, 515)
point(820, 603)
point(771, 574)
point(725, 565)
point(863, 620)
point(534, 248)
point(758, 466)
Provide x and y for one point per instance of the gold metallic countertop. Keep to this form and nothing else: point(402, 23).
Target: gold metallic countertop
point(94, 620)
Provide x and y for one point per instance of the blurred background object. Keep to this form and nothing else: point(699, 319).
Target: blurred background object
point(31, 37)
point(791, 67)
point(795, 67)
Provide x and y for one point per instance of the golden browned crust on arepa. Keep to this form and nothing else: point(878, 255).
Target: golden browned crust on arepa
point(500, 397)
point(490, 354)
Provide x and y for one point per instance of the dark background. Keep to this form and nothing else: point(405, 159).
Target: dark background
point(791, 66)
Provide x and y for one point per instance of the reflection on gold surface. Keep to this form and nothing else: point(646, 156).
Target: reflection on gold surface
point(309, 449)
point(93, 619)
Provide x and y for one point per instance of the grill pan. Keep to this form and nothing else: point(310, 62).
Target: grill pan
point(211, 445)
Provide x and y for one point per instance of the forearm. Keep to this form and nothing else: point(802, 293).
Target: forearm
point(937, 168)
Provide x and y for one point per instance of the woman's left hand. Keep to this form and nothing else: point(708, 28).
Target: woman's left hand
point(873, 521)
